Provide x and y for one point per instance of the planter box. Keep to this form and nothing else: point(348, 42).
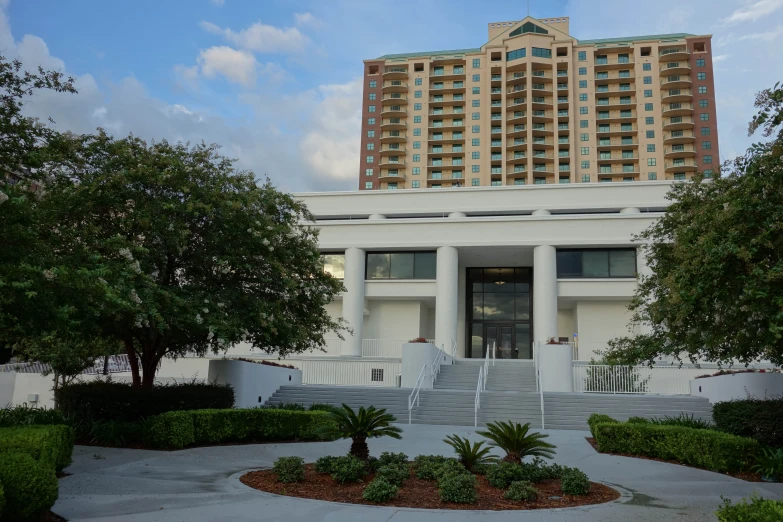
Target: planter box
point(737, 386)
point(253, 383)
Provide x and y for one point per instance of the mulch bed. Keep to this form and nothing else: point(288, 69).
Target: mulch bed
point(747, 476)
point(423, 494)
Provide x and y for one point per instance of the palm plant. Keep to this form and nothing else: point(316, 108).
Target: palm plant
point(513, 438)
point(366, 424)
point(770, 464)
point(469, 454)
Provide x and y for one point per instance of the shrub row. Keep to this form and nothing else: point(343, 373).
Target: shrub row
point(758, 509)
point(29, 458)
point(755, 418)
point(178, 429)
point(102, 401)
point(713, 450)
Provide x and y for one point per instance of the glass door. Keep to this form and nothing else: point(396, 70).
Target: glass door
point(501, 337)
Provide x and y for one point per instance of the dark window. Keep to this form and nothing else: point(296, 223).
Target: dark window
point(541, 52)
point(401, 265)
point(376, 374)
point(528, 27)
point(596, 263)
point(513, 55)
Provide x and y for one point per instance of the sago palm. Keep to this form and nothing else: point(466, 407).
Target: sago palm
point(514, 439)
point(469, 454)
point(360, 426)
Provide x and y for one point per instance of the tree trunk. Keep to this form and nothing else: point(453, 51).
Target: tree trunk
point(149, 366)
point(134, 363)
point(105, 365)
point(359, 448)
point(56, 387)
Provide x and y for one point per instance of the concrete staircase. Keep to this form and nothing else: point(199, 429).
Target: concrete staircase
point(510, 395)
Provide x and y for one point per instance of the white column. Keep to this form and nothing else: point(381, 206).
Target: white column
point(353, 301)
point(446, 292)
point(544, 293)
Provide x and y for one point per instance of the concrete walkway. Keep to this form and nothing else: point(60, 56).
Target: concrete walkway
point(202, 484)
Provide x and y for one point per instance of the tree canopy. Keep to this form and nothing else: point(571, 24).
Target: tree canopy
point(165, 248)
point(716, 256)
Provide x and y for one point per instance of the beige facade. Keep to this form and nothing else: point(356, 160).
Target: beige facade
point(535, 105)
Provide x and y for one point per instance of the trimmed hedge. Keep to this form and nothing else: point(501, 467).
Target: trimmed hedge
point(708, 449)
point(178, 429)
point(759, 510)
point(51, 445)
point(2, 499)
point(597, 418)
point(29, 487)
point(101, 401)
point(755, 418)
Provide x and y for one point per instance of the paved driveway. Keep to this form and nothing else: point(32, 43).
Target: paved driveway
point(202, 484)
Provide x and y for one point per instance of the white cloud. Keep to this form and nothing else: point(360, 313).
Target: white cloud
point(720, 57)
point(218, 3)
point(303, 19)
point(234, 65)
point(764, 36)
point(262, 38)
point(752, 12)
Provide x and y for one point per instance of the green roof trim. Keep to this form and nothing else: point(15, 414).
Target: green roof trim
point(627, 39)
point(429, 53)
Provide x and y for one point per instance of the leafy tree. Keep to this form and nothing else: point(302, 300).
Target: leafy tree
point(180, 253)
point(359, 426)
point(716, 255)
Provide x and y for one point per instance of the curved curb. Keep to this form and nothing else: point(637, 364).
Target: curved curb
point(236, 485)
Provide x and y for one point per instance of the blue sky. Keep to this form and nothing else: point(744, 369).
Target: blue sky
point(277, 83)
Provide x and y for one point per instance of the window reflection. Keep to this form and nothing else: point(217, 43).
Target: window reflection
point(334, 264)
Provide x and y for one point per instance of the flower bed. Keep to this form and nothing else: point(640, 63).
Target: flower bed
point(423, 494)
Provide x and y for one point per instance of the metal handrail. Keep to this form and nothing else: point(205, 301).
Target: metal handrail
point(413, 398)
point(539, 382)
point(439, 357)
point(453, 351)
point(477, 400)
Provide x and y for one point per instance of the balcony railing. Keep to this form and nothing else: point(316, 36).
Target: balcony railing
point(680, 164)
point(673, 51)
point(619, 169)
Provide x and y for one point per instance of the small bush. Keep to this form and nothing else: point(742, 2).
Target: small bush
point(574, 482)
point(449, 467)
point(379, 491)
point(481, 469)
point(2, 500)
point(521, 490)
point(24, 415)
point(394, 474)
point(638, 420)
point(322, 407)
point(425, 466)
point(458, 487)
point(29, 487)
point(116, 433)
point(755, 418)
point(172, 430)
point(51, 445)
point(348, 469)
point(325, 464)
point(101, 401)
point(391, 459)
point(708, 449)
point(758, 510)
point(289, 469)
point(539, 471)
point(502, 474)
point(686, 421)
point(373, 463)
point(290, 406)
point(598, 418)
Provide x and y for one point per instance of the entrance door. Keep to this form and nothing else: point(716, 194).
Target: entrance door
point(501, 336)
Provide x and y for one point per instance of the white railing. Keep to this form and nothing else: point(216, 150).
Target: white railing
point(413, 398)
point(350, 372)
point(539, 383)
point(117, 364)
point(477, 399)
point(439, 357)
point(655, 380)
point(453, 351)
point(391, 348)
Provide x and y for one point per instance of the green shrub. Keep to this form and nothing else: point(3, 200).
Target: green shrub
point(291, 406)
point(101, 401)
point(481, 469)
point(539, 471)
point(379, 491)
point(638, 420)
point(24, 415)
point(470, 454)
point(172, 430)
point(241, 425)
point(322, 407)
point(521, 490)
point(289, 469)
point(325, 464)
point(373, 463)
point(769, 463)
point(517, 440)
point(394, 473)
point(708, 449)
point(598, 418)
point(458, 487)
point(29, 487)
point(348, 469)
point(2, 500)
point(758, 510)
point(574, 482)
point(686, 421)
point(425, 466)
point(391, 459)
point(449, 467)
point(116, 433)
point(502, 474)
point(755, 418)
point(51, 445)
